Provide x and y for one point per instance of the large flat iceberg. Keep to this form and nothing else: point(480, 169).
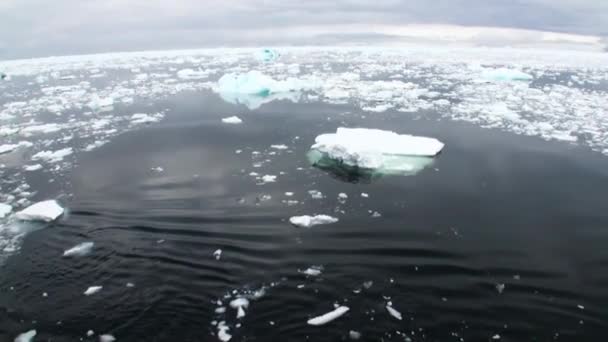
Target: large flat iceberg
point(362, 150)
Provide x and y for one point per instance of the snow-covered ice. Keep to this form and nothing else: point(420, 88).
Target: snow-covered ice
point(232, 120)
point(80, 249)
point(307, 221)
point(92, 290)
point(46, 211)
point(328, 317)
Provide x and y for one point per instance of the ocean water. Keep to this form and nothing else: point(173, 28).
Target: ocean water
point(494, 208)
point(501, 238)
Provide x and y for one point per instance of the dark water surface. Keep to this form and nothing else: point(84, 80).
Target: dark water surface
point(495, 208)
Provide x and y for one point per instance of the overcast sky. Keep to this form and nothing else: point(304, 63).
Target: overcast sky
point(32, 28)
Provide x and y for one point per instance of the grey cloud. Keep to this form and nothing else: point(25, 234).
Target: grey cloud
point(40, 27)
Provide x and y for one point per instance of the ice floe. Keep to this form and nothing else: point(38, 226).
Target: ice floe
point(393, 312)
point(46, 211)
point(232, 120)
point(307, 221)
point(107, 338)
point(53, 156)
point(5, 209)
point(81, 249)
point(504, 74)
point(328, 317)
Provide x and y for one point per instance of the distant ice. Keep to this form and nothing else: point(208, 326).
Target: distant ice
point(307, 221)
point(240, 304)
point(354, 335)
point(107, 338)
point(313, 271)
point(81, 249)
point(46, 211)
point(53, 156)
point(97, 103)
point(328, 317)
point(190, 74)
point(92, 290)
point(33, 167)
point(269, 178)
point(223, 332)
point(267, 55)
point(232, 120)
point(142, 118)
point(26, 336)
point(217, 254)
point(504, 74)
point(315, 194)
point(279, 147)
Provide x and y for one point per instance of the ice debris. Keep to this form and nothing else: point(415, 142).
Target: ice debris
point(328, 317)
point(53, 156)
point(46, 211)
point(240, 304)
point(92, 290)
point(393, 312)
point(307, 221)
point(232, 120)
point(98, 103)
point(217, 254)
point(313, 271)
point(222, 332)
point(190, 74)
point(5, 209)
point(143, 118)
point(26, 336)
point(504, 74)
point(107, 338)
point(256, 83)
point(354, 335)
point(81, 249)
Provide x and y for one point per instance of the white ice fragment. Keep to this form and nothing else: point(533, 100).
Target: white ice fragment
point(394, 312)
point(5, 209)
point(217, 254)
point(354, 335)
point(313, 271)
point(342, 196)
point(81, 249)
point(496, 337)
point(328, 317)
point(97, 103)
point(232, 120)
point(107, 338)
point(315, 194)
point(269, 178)
point(90, 333)
point(279, 147)
point(92, 290)
point(130, 285)
point(364, 195)
point(240, 304)
point(222, 332)
point(307, 221)
point(53, 156)
point(26, 336)
point(289, 194)
point(504, 74)
point(142, 118)
point(500, 288)
point(189, 74)
point(8, 148)
point(46, 211)
point(34, 167)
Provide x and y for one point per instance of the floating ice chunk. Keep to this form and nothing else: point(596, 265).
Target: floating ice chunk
point(107, 338)
point(393, 312)
point(313, 271)
point(189, 74)
point(279, 147)
point(496, 337)
point(90, 333)
point(315, 194)
point(222, 332)
point(354, 335)
point(34, 167)
point(142, 118)
point(98, 103)
point(26, 336)
point(53, 156)
point(81, 249)
point(5, 131)
point(232, 120)
point(256, 83)
point(41, 129)
point(307, 221)
point(269, 178)
point(373, 149)
point(46, 211)
point(8, 148)
point(328, 317)
point(5, 209)
point(267, 55)
point(240, 304)
point(289, 194)
point(504, 74)
point(92, 290)
point(217, 254)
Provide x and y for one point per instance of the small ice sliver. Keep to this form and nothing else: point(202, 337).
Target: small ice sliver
point(328, 317)
point(81, 249)
point(394, 312)
point(26, 336)
point(46, 211)
point(92, 290)
point(307, 221)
